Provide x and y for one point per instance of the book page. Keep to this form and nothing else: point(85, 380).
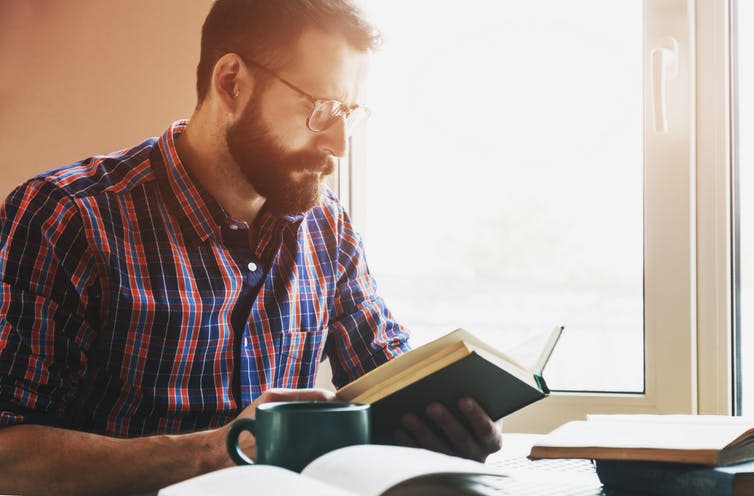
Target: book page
point(547, 350)
point(370, 470)
point(252, 479)
point(643, 433)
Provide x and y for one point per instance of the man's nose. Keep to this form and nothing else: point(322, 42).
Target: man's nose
point(334, 139)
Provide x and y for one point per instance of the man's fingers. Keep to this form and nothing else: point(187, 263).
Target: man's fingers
point(423, 434)
point(463, 441)
point(485, 430)
point(404, 439)
point(282, 394)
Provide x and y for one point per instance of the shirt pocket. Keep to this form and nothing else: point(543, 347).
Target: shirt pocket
point(299, 355)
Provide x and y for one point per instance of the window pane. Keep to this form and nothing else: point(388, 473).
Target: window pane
point(746, 202)
point(503, 181)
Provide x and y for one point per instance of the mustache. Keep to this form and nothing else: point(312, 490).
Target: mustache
point(312, 162)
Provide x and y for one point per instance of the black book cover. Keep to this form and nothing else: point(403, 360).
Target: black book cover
point(677, 479)
point(495, 389)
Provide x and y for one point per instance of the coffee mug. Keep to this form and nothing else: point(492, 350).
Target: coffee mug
point(292, 434)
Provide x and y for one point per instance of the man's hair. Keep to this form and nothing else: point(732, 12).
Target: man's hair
point(265, 30)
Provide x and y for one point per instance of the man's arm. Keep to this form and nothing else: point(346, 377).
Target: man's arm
point(364, 334)
point(36, 459)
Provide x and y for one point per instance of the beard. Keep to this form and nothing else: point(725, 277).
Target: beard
point(291, 182)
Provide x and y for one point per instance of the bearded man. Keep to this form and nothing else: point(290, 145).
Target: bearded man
point(151, 296)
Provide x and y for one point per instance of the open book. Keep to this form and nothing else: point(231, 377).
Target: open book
point(446, 369)
point(712, 440)
point(365, 470)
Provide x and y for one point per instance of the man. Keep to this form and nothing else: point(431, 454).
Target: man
point(151, 296)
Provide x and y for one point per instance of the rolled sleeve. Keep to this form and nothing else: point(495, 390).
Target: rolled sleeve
point(364, 334)
point(48, 300)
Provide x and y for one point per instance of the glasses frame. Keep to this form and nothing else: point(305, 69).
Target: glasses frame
point(342, 108)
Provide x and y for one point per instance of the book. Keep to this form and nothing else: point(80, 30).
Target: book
point(455, 365)
point(677, 479)
point(712, 440)
point(363, 470)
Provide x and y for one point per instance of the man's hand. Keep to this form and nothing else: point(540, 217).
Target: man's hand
point(484, 438)
point(246, 440)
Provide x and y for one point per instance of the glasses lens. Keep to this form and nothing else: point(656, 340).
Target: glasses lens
point(326, 112)
point(324, 115)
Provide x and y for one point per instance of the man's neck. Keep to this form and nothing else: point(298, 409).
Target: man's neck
point(205, 155)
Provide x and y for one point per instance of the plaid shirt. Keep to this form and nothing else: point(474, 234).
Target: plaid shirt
point(132, 305)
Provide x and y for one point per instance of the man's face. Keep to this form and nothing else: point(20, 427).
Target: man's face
point(289, 180)
point(270, 142)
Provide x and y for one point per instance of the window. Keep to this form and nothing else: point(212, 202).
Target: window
point(533, 164)
point(516, 184)
point(510, 158)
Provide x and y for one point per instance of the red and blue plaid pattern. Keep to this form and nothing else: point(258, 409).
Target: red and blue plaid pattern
point(132, 305)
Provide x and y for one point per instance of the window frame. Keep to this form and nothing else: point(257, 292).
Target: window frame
point(716, 219)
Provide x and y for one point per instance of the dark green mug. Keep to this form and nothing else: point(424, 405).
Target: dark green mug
point(292, 434)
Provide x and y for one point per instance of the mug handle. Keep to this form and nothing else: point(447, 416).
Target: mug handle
point(231, 440)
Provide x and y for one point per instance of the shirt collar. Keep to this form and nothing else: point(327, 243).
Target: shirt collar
point(198, 213)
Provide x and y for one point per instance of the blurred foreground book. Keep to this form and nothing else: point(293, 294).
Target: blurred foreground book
point(363, 470)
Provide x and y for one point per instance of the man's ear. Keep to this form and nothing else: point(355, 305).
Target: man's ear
point(231, 81)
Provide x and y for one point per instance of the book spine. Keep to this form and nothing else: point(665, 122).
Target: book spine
point(542, 384)
point(668, 479)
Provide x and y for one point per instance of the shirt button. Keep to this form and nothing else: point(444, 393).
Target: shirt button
point(252, 266)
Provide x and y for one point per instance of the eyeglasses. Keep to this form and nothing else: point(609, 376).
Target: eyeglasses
point(324, 113)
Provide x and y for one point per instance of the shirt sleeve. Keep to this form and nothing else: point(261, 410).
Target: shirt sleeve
point(364, 334)
point(48, 300)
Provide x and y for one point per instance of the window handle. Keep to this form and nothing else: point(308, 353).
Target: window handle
point(663, 67)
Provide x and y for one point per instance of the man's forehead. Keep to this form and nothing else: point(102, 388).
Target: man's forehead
point(327, 66)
